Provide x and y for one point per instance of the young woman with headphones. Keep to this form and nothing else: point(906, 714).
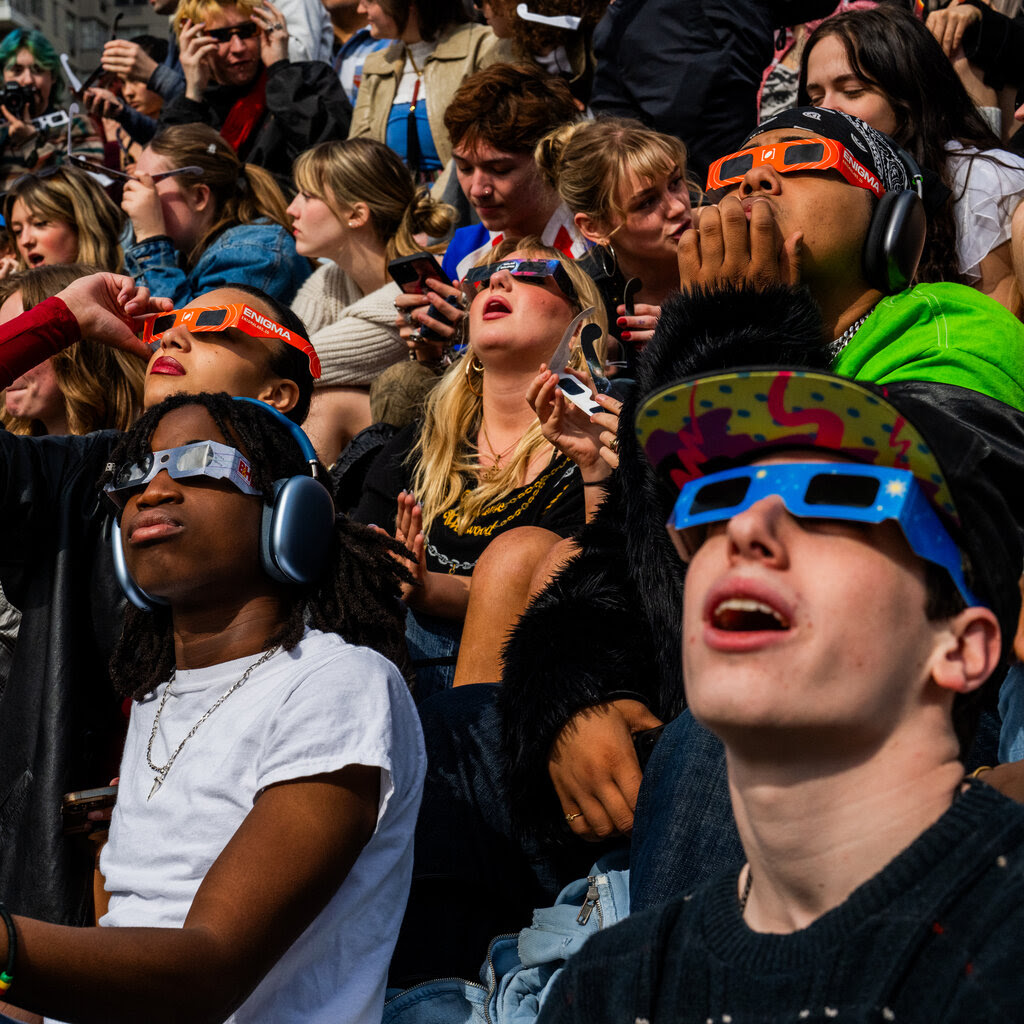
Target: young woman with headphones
point(269, 841)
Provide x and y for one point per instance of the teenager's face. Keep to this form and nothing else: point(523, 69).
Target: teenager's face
point(191, 540)
point(212, 361)
point(804, 629)
point(515, 322)
point(139, 98)
point(318, 231)
point(657, 213)
point(505, 189)
point(379, 22)
point(42, 241)
point(832, 83)
point(24, 69)
point(236, 62)
point(832, 214)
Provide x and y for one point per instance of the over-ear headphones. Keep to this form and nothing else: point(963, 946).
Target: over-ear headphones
point(896, 234)
point(295, 531)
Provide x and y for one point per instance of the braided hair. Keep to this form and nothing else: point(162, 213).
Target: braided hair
point(357, 596)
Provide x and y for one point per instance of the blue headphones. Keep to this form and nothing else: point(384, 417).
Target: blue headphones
point(295, 531)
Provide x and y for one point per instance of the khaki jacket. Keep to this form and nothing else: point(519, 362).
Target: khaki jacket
point(458, 53)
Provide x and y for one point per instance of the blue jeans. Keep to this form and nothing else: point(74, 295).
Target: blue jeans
point(434, 648)
point(684, 831)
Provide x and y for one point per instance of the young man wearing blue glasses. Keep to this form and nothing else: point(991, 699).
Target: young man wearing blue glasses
point(849, 592)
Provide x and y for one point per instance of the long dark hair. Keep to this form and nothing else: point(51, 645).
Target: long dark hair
point(889, 48)
point(357, 596)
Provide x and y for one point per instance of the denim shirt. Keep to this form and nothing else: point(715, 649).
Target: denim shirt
point(261, 255)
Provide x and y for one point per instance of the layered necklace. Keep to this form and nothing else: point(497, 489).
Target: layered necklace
point(162, 770)
point(496, 457)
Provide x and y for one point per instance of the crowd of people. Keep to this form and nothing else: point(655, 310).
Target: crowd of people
point(355, 356)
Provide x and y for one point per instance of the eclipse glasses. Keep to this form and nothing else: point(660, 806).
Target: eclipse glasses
point(816, 490)
point(220, 318)
point(528, 271)
point(211, 459)
point(809, 154)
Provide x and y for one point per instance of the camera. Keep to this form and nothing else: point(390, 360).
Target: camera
point(16, 97)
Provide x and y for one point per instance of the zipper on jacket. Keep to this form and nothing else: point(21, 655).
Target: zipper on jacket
point(592, 902)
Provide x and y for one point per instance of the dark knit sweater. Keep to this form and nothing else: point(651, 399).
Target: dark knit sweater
point(937, 935)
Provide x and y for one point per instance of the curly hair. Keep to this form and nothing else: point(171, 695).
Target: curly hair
point(531, 38)
point(357, 596)
point(75, 198)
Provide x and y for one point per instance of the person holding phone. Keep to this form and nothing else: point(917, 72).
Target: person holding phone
point(35, 133)
point(269, 840)
point(358, 206)
point(477, 464)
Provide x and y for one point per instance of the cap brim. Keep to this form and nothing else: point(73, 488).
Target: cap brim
point(730, 416)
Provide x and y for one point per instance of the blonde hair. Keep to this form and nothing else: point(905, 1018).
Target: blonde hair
point(588, 163)
point(445, 459)
point(101, 386)
point(366, 171)
point(242, 193)
point(74, 198)
point(200, 10)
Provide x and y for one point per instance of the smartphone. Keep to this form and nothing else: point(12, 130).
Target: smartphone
point(410, 273)
point(76, 806)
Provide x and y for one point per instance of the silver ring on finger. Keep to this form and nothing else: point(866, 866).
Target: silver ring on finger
point(416, 334)
point(277, 27)
point(407, 317)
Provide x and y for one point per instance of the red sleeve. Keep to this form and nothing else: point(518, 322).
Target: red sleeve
point(28, 339)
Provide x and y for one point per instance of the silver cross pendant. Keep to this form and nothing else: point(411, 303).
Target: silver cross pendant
point(157, 783)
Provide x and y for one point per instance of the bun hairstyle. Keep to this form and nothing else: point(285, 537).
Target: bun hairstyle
point(101, 386)
point(361, 170)
point(75, 198)
point(587, 163)
point(242, 193)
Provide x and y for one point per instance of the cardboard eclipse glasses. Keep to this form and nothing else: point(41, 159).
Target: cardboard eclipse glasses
point(811, 154)
point(220, 318)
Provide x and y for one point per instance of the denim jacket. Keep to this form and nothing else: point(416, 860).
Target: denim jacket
point(261, 255)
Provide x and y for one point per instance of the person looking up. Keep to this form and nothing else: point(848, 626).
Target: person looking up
point(194, 231)
point(274, 841)
point(35, 134)
point(239, 80)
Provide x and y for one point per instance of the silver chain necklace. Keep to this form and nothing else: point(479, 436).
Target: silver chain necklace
point(844, 339)
point(161, 772)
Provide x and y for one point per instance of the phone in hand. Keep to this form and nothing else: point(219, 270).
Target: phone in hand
point(77, 805)
point(410, 273)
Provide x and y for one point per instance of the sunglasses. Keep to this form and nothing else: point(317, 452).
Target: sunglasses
point(247, 30)
point(861, 494)
point(811, 154)
point(210, 459)
point(220, 318)
point(528, 271)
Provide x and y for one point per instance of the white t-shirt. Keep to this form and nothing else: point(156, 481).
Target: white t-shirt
point(317, 708)
point(987, 187)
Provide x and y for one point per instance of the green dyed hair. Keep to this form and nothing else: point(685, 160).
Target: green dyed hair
point(42, 52)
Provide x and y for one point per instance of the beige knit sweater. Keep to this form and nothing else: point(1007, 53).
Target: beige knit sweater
point(355, 336)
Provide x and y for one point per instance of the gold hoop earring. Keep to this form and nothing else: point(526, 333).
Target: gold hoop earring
point(473, 365)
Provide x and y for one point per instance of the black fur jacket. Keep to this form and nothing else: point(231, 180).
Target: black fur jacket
point(610, 621)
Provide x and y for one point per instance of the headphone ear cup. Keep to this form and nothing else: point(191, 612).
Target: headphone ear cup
point(138, 597)
point(895, 241)
point(296, 530)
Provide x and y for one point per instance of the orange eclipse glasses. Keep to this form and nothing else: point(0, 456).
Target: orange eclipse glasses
point(220, 318)
point(810, 154)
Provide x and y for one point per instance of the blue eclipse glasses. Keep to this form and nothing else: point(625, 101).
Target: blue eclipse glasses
point(201, 458)
point(529, 271)
point(821, 490)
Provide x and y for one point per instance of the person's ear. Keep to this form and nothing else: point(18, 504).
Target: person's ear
point(281, 393)
point(592, 230)
point(969, 651)
point(359, 215)
point(202, 197)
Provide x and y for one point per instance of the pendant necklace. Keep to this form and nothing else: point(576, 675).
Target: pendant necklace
point(161, 771)
point(495, 467)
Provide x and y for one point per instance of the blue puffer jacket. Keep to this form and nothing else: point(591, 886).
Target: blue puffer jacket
point(261, 255)
point(520, 969)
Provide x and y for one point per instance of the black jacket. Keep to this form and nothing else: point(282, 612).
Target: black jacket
point(60, 723)
point(610, 621)
point(305, 105)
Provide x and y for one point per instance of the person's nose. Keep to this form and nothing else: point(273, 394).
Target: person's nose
point(501, 281)
point(757, 533)
point(236, 44)
point(23, 76)
point(176, 338)
point(762, 179)
point(161, 490)
point(678, 205)
point(27, 236)
point(481, 186)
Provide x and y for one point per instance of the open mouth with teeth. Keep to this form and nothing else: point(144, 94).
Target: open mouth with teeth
point(496, 306)
point(745, 615)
